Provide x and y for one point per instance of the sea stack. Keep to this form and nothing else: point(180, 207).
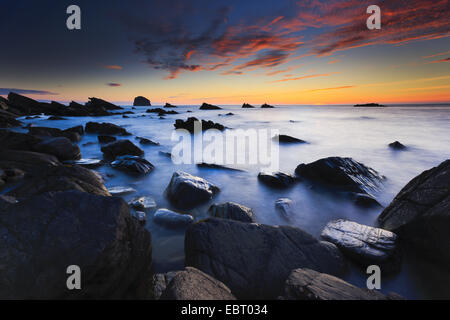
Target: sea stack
point(141, 102)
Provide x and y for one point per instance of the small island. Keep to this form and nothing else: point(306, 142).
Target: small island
point(369, 105)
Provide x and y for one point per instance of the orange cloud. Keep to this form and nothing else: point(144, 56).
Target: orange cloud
point(113, 67)
point(306, 77)
point(334, 88)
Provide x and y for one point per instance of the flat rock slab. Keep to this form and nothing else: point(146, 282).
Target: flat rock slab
point(43, 235)
point(187, 191)
point(367, 245)
point(420, 213)
point(192, 284)
point(233, 211)
point(254, 260)
point(306, 284)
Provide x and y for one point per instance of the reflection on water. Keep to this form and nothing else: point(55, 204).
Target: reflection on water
point(360, 133)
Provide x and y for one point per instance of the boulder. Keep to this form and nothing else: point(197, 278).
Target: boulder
point(307, 284)
point(277, 179)
point(105, 128)
point(121, 148)
point(187, 191)
point(365, 245)
point(132, 164)
point(17, 141)
point(246, 105)
point(191, 121)
point(231, 210)
point(142, 203)
point(61, 178)
point(284, 207)
point(8, 120)
point(30, 162)
point(96, 103)
point(192, 284)
point(267, 106)
point(72, 134)
point(254, 260)
point(60, 147)
point(172, 219)
point(420, 213)
point(106, 139)
point(397, 146)
point(76, 129)
point(345, 174)
point(282, 138)
point(141, 101)
point(207, 106)
point(45, 234)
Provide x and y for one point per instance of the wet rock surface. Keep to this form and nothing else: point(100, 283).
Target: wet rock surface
point(254, 260)
point(307, 284)
point(186, 191)
point(420, 213)
point(192, 284)
point(142, 203)
point(276, 179)
point(132, 164)
point(61, 147)
point(364, 244)
point(172, 219)
point(231, 210)
point(40, 241)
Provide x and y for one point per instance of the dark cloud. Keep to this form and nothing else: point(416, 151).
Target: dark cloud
point(113, 84)
point(5, 91)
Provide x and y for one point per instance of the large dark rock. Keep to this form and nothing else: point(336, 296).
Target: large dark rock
point(45, 234)
point(106, 139)
point(254, 260)
point(132, 164)
point(60, 178)
point(267, 106)
point(141, 101)
point(24, 104)
point(420, 213)
point(60, 147)
point(121, 148)
point(345, 174)
point(8, 120)
point(191, 121)
point(192, 284)
point(277, 179)
point(71, 133)
point(365, 245)
point(231, 210)
point(207, 106)
point(17, 141)
point(246, 105)
point(187, 191)
point(105, 128)
point(99, 103)
point(30, 162)
point(307, 284)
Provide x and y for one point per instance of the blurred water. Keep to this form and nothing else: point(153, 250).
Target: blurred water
point(360, 133)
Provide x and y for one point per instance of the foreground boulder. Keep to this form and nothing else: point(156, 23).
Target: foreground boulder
point(233, 211)
point(141, 101)
point(60, 147)
point(307, 284)
point(105, 128)
point(207, 106)
point(277, 179)
point(45, 234)
point(61, 178)
point(345, 174)
point(254, 260)
point(366, 245)
point(192, 284)
point(203, 125)
point(121, 148)
point(420, 213)
point(30, 162)
point(132, 164)
point(187, 191)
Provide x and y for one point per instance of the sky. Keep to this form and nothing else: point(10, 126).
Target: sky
point(227, 52)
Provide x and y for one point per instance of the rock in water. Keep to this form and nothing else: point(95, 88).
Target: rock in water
point(172, 219)
point(189, 124)
point(277, 179)
point(141, 101)
point(284, 207)
point(267, 106)
point(45, 234)
point(344, 174)
point(307, 284)
point(97, 103)
point(121, 148)
point(106, 139)
point(142, 203)
point(420, 213)
point(132, 164)
point(105, 128)
point(282, 138)
point(192, 284)
point(254, 260)
point(187, 191)
point(233, 211)
point(168, 105)
point(119, 191)
point(60, 147)
point(87, 163)
point(207, 106)
point(397, 146)
point(246, 105)
point(146, 141)
point(366, 245)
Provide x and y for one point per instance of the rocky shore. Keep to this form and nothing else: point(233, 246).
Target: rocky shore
point(55, 211)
